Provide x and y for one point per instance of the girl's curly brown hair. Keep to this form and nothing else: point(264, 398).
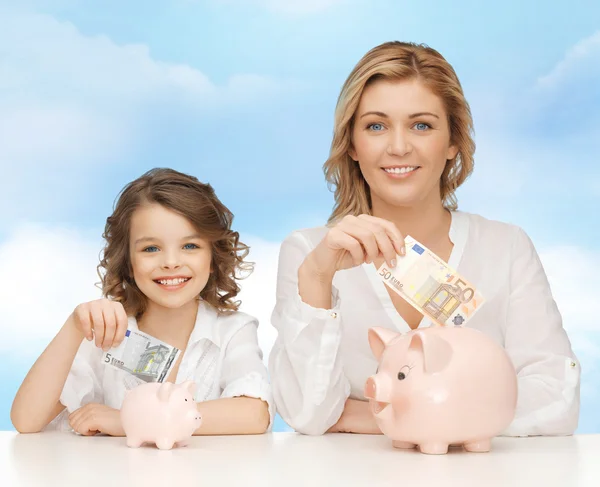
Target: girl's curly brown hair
point(194, 200)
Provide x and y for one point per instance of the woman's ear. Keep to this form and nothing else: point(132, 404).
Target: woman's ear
point(452, 152)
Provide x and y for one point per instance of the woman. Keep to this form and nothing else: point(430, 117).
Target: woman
point(402, 146)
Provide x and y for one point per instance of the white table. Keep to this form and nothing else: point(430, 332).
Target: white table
point(290, 459)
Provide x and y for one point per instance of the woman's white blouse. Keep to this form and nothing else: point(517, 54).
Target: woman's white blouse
point(222, 357)
point(321, 356)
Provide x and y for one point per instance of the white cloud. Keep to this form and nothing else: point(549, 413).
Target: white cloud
point(575, 280)
point(293, 7)
point(258, 290)
point(583, 59)
point(46, 272)
point(68, 98)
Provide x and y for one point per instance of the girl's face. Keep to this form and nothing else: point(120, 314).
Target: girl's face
point(171, 262)
point(401, 140)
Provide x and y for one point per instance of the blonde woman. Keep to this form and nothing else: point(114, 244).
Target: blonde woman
point(401, 147)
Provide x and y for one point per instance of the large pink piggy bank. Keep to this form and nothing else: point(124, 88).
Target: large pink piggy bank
point(441, 386)
point(161, 413)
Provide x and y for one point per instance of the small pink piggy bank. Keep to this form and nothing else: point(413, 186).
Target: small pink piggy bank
point(441, 386)
point(161, 413)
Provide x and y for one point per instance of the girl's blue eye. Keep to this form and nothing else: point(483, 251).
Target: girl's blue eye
point(375, 126)
point(193, 246)
point(422, 126)
point(152, 248)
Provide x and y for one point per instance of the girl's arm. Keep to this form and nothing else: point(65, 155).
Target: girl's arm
point(37, 401)
point(233, 416)
point(246, 405)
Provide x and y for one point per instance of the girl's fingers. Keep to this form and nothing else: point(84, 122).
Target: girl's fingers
point(110, 326)
point(98, 325)
point(83, 316)
point(121, 318)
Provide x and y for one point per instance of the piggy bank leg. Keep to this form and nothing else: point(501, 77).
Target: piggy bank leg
point(183, 443)
point(434, 448)
point(480, 446)
point(403, 445)
point(134, 442)
point(164, 443)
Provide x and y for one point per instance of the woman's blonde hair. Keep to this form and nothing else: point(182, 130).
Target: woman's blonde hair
point(397, 61)
point(197, 202)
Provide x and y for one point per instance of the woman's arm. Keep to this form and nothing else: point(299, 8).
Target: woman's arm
point(307, 377)
point(356, 418)
point(548, 371)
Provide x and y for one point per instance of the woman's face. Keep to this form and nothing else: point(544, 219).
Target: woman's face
point(401, 140)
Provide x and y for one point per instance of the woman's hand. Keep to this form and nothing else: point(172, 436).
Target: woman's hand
point(354, 241)
point(103, 319)
point(356, 418)
point(96, 418)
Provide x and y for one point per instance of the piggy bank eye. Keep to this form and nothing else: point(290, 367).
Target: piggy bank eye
point(186, 399)
point(403, 372)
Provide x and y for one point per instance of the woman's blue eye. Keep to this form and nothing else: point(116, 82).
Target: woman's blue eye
point(148, 249)
point(422, 126)
point(376, 127)
point(194, 246)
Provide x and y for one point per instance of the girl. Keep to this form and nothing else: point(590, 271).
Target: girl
point(402, 146)
point(169, 270)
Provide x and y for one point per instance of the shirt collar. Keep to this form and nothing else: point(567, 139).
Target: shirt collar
point(206, 326)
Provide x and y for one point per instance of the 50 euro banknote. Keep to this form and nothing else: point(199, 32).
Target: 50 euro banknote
point(143, 356)
point(432, 287)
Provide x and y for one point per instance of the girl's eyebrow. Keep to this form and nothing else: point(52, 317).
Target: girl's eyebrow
point(144, 239)
point(189, 237)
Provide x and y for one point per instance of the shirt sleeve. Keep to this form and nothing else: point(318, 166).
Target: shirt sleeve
point(83, 385)
point(548, 371)
point(243, 371)
point(309, 384)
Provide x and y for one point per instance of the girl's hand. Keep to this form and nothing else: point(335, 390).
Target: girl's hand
point(354, 241)
point(96, 418)
point(103, 319)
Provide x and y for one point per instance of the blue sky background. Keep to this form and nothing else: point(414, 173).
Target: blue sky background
point(241, 94)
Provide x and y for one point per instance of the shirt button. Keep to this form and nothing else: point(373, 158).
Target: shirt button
point(573, 364)
point(334, 315)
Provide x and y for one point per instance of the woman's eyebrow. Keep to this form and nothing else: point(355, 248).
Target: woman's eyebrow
point(413, 115)
point(421, 114)
point(379, 114)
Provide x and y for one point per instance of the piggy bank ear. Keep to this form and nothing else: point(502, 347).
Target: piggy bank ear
point(436, 351)
point(379, 338)
point(164, 391)
point(190, 386)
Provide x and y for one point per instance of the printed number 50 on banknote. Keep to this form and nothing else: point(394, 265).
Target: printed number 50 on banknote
point(431, 286)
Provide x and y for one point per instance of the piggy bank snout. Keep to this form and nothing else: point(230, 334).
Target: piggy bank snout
point(371, 388)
